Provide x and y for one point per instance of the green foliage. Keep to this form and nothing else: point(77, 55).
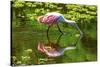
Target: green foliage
point(78, 13)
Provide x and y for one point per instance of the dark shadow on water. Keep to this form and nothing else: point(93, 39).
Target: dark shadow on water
point(89, 43)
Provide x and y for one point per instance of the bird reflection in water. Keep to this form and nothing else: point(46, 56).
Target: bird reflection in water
point(52, 49)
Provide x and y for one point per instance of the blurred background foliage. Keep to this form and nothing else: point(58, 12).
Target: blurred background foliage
point(27, 12)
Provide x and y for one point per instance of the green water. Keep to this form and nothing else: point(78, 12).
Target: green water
point(26, 39)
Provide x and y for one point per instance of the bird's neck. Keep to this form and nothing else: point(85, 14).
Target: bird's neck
point(66, 20)
point(67, 48)
point(72, 23)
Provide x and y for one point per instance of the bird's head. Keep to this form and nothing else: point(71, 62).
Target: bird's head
point(40, 18)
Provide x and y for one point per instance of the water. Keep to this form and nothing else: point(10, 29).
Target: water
point(25, 41)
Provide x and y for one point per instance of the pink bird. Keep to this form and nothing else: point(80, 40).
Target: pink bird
point(51, 51)
point(56, 18)
point(50, 19)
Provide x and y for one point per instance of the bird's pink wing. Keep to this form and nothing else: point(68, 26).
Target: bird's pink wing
point(50, 19)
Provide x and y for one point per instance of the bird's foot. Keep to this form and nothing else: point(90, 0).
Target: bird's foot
point(62, 33)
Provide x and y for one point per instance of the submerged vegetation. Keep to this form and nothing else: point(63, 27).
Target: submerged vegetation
point(27, 32)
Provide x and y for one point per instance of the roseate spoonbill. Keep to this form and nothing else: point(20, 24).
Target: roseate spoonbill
point(55, 18)
point(52, 49)
point(53, 52)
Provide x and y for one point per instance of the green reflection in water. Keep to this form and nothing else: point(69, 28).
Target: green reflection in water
point(24, 46)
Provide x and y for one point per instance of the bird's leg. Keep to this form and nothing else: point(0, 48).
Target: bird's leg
point(47, 33)
point(59, 29)
point(59, 39)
